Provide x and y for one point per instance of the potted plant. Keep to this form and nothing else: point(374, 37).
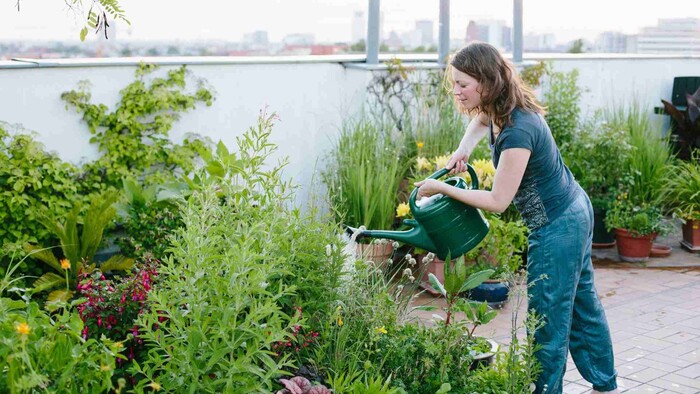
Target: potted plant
point(501, 252)
point(682, 196)
point(636, 225)
point(363, 176)
point(596, 158)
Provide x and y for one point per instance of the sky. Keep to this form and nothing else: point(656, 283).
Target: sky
point(331, 20)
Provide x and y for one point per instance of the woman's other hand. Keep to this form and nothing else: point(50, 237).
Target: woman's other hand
point(428, 187)
point(458, 161)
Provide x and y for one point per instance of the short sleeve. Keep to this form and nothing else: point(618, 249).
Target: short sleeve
point(515, 138)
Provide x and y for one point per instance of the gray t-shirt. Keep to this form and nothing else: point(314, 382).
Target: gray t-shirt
point(548, 187)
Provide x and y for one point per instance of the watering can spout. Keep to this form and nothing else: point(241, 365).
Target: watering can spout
point(416, 236)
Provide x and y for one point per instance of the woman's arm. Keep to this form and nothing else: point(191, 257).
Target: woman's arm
point(476, 130)
point(509, 174)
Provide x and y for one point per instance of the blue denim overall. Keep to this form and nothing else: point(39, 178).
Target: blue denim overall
point(562, 292)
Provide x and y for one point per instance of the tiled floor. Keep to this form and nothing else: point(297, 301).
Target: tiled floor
point(654, 316)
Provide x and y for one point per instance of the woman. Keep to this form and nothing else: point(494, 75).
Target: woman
point(530, 172)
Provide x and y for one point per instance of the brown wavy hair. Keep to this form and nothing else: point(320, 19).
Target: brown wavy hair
point(502, 88)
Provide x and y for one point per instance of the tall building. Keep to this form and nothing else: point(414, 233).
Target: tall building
point(681, 35)
point(425, 32)
point(495, 32)
point(539, 42)
point(612, 42)
point(359, 27)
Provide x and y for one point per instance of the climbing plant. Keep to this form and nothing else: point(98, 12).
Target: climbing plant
point(133, 138)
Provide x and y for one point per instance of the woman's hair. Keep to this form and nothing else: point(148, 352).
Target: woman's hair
point(502, 88)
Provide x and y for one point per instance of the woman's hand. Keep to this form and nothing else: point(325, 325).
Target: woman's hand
point(428, 187)
point(457, 163)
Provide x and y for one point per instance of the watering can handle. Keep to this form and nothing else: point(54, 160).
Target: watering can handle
point(438, 174)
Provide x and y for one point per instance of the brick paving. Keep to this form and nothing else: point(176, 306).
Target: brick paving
point(654, 317)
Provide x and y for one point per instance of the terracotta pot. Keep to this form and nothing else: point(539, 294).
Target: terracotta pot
point(691, 236)
point(376, 252)
point(631, 248)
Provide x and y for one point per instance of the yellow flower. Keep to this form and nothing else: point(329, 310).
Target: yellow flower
point(420, 144)
point(105, 368)
point(23, 329)
point(338, 318)
point(65, 264)
point(441, 161)
point(402, 210)
point(381, 330)
point(423, 164)
point(155, 386)
point(118, 345)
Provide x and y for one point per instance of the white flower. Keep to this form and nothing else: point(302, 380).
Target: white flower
point(412, 262)
point(329, 250)
point(407, 272)
point(395, 245)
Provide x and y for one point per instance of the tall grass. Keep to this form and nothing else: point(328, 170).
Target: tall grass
point(434, 121)
point(647, 165)
point(364, 173)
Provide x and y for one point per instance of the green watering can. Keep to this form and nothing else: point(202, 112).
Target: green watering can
point(444, 227)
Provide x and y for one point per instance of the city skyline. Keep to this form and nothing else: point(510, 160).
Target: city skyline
point(332, 21)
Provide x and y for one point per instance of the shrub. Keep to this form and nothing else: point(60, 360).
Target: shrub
point(222, 290)
point(30, 179)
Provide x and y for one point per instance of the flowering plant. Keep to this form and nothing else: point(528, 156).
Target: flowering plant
point(640, 219)
point(113, 304)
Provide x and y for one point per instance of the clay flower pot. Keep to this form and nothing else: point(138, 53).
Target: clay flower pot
point(632, 248)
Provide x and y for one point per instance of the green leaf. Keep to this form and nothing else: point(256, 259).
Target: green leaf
point(43, 254)
point(476, 279)
point(117, 263)
point(444, 389)
point(435, 282)
point(83, 33)
point(57, 297)
point(48, 281)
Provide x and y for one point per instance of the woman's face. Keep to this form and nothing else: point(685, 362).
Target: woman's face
point(466, 89)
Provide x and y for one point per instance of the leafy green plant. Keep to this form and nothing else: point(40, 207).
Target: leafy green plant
point(532, 75)
point(235, 267)
point(78, 244)
point(149, 217)
point(30, 179)
point(646, 166)
point(597, 158)
point(638, 218)
point(561, 97)
point(133, 139)
point(363, 174)
point(43, 352)
point(681, 191)
point(501, 250)
point(457, 281)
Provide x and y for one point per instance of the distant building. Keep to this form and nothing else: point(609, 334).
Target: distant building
point(539, 42)
point(394, 42)
point(256, 39)
point(494, 32)
point(611, 42)
point(425, 32)
point(298, 40)
point(359, 27)
point(681, 35)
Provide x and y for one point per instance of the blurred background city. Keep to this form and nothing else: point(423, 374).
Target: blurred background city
point(313, 27)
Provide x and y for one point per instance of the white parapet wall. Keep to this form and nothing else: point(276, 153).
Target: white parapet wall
point(311, 95)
